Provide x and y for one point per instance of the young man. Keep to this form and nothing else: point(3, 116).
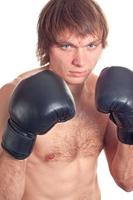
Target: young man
point(42, 159)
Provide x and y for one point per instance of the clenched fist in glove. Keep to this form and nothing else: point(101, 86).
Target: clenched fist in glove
point(37, 104)
point(114, 95)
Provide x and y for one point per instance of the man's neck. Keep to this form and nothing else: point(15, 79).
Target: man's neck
point(76, 90)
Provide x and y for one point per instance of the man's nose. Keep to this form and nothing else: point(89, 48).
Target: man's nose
point(79, 57)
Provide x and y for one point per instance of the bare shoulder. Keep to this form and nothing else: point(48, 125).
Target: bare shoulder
point(6, 93)
point(29, 73)
point(7, 89)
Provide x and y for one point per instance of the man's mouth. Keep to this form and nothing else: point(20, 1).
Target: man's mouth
point(78, 73)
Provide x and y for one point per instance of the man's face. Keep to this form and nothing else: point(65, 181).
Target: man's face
point(74, 57)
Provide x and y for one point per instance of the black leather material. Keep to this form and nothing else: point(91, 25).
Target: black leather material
point(37, 104)
point(114, 95)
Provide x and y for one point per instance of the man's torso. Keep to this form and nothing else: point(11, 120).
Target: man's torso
point(64, 161)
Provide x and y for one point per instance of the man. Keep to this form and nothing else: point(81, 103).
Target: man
point(43, 159)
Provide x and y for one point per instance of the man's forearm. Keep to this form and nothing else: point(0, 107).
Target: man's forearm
point(122, 166)
point(12, 177)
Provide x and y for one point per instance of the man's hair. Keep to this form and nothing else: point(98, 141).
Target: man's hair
point(82, 17)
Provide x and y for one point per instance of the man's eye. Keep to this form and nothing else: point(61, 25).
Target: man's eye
point(92, 46)
point(66, 46)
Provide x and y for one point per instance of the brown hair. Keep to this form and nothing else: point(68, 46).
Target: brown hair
point(80, 16)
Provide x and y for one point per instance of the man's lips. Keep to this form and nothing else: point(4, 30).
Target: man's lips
point(77, 73)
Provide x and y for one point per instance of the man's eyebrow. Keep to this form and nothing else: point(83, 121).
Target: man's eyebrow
point(63, 42)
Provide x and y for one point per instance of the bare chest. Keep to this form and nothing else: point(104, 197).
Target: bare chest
point(79, 137)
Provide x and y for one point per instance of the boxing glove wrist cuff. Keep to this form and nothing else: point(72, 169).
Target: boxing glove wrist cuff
point(18, 145)
point(125, 136)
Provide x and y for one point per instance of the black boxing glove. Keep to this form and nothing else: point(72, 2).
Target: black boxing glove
point(37, 104)
point(114, 95)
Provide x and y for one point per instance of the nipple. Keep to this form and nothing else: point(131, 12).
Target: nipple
point(49, 157)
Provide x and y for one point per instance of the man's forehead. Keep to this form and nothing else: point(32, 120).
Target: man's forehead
point(75, 38)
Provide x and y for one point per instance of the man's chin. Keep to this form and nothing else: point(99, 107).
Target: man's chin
point(76, 81)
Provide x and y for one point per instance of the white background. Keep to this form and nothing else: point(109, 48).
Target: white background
point(18, 40)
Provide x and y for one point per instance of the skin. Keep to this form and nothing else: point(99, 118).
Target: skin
point(63, 164)
point(74, 54)
point(71, 159)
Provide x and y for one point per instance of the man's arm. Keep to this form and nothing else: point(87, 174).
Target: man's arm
point(12, 171)
point(114, 95)
point(12, 176)
point(120, 158)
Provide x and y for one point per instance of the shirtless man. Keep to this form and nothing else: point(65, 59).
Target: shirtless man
point(60, 163)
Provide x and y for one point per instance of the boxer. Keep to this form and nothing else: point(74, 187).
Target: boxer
point(56, 119)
